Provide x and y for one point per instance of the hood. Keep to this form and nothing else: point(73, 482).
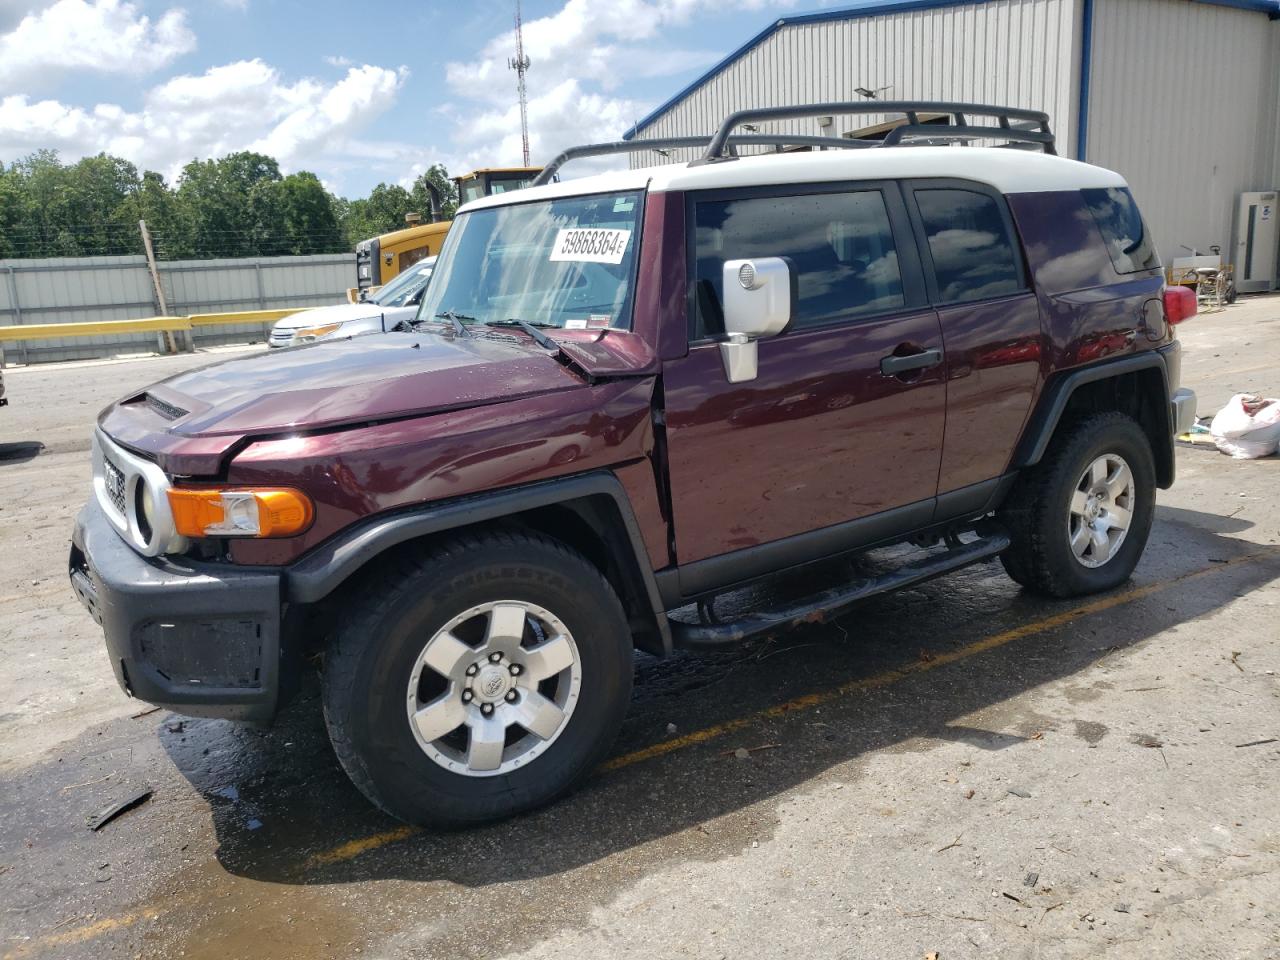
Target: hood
point(337, 313)
point(190, 421)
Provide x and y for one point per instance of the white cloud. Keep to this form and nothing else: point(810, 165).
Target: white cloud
point(245, 105)
point(581, 55)
point(109, 36)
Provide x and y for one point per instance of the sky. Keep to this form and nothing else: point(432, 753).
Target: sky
point(357, 93)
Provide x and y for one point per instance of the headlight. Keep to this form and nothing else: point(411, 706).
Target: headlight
point(307, 334)
point(251, 512)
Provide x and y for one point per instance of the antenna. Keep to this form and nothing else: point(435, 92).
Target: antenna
point(520, 64)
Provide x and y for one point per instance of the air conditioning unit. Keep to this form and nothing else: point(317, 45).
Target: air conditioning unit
point(1257, 241)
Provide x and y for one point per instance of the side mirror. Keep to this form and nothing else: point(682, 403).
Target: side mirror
point(758, 301)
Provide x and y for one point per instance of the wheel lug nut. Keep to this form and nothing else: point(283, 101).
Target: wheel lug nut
point(516, 669)
point(487, 709)
point(472, 670)
point(466, 696)
point(511, 696)
point(495, 657)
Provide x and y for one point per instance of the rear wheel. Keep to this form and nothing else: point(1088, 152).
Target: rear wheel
point(485, 677)
point(1079, 520)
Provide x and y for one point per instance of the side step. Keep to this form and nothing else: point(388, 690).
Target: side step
point(831, 603)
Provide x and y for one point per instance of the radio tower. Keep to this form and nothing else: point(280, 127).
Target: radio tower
point(520, 63)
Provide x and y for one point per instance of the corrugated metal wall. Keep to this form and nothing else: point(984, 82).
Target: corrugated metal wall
point(1011, 52)
point(1185, 103)
point(119, 288)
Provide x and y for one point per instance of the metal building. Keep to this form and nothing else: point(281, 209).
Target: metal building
point(1182, 97)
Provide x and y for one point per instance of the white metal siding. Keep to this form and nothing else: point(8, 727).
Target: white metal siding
point(1010, 52)
point(70, 289)
point(1185, 104)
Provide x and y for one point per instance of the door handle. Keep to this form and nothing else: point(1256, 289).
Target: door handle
point(893, 365)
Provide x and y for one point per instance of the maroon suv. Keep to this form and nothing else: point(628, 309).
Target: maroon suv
point(625, 394)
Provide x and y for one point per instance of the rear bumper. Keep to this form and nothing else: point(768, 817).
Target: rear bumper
point(1183, 412)
point(198, 638)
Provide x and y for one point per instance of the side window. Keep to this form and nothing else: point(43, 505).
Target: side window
point(973, 255)
point(841, 244)
point(1123, 230)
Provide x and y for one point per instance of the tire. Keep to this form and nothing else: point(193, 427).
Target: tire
point(1043, 517)
point(401, 614)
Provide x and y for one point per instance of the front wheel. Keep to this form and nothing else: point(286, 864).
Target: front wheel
point(480, 679)
point(1079, 520)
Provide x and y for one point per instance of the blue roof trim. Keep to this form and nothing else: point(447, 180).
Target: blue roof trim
point(872, 8)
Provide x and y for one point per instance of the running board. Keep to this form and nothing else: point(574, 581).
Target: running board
point(831, 603)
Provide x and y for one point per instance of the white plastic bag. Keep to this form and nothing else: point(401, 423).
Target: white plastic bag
point(1248, 427)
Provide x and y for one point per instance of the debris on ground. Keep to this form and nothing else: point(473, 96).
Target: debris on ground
point(1258, 743)
point(744, 753)
point(1121, 908)
point(1031, 879)
point(1248, 427)
point(953, 843)
point(1019, 792)
point(145, 713)
point(113, 810)
point(1146, 740)
point(671, 729)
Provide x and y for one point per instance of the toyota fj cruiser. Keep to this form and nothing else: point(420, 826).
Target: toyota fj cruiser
point(626, 394)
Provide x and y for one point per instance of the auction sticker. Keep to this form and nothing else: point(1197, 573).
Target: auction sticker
point(590, 245)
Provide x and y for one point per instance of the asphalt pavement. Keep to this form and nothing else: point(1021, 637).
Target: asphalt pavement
point(960, 769)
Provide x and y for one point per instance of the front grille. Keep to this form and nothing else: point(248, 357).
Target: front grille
point(114, 478)
point(167, 410)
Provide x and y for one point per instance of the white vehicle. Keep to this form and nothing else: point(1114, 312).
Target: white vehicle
point(396, 301)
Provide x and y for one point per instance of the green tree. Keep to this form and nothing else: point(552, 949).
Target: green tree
point(222, 204)
point(310, 216)
point(10, 212)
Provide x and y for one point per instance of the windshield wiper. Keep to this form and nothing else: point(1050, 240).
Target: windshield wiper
point(531, 329)
point(456, 319)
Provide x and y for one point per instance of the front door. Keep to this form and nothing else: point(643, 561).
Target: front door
point(823, 435)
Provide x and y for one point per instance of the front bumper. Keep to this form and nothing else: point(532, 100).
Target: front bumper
point(201, 639)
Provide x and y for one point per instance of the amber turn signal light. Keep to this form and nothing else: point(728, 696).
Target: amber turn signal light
point(217, 512)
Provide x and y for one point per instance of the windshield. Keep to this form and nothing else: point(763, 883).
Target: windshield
point(566, 263)
point(398, 291)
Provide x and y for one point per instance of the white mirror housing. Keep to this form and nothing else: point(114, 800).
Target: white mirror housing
point(759, 296)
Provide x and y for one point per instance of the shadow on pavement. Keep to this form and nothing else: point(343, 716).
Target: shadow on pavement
point(20, 452)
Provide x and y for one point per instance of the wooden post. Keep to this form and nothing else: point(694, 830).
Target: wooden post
point(167, 341)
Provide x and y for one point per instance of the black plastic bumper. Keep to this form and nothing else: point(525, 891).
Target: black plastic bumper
point(198, 638)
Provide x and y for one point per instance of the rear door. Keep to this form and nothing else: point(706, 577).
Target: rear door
point(822, 435)
point(990, 319)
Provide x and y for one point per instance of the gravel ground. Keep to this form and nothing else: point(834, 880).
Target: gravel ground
point(960, 768)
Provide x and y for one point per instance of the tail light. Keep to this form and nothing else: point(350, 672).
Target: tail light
point(1179, 304)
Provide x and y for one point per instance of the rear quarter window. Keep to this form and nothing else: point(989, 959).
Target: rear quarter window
point(973, 252)
point(1124, 232)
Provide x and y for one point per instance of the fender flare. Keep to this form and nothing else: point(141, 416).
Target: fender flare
point(324, 569)
point(1057, 394)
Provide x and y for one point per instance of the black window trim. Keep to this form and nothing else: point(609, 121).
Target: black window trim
point(914, 292)
point(909, 188)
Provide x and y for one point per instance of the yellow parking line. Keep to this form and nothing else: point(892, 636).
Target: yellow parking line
point(81, 934)
point(354, 848)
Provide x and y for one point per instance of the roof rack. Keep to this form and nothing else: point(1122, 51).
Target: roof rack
point(958, 129)
point(673, 143)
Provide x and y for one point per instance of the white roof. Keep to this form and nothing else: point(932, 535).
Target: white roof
point(1009, 171)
